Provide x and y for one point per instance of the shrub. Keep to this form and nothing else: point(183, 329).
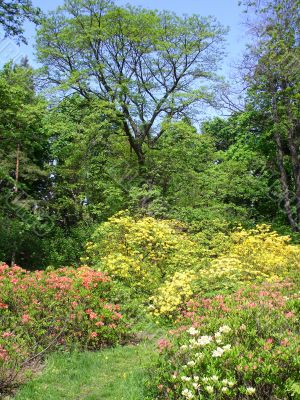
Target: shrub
point(230, 261)
point(166, 261)
point(252, 255)
point(172, 293)
point(239, 346)
point(142, 253)
point(51, 309)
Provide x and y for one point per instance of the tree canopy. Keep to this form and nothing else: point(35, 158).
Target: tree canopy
point(152, 66)
point(13, 14)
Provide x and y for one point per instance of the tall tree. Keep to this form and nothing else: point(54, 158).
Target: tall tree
point(23, 162)
point(275, 85)
point(150, 65)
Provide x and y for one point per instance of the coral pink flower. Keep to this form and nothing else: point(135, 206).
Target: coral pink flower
point(289, 314)
point(3, 353)
point(25, 318)
point(93, 315)
point(163, 344)
point(7, 334)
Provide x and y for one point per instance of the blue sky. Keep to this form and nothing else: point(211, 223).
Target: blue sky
point(226, 11)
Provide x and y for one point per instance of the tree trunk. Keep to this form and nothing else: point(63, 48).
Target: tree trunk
point(284, 182)
point(135, 145)
point(296, 171)
point(13, 256)
point(293, 147)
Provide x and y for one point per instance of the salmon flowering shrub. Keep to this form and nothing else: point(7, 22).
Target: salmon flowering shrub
point(142, 253)
point(66, 308)
point(245, 345)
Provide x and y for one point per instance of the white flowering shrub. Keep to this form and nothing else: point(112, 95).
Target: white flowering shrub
point(240, 346)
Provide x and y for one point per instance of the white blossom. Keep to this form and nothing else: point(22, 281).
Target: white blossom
point(187, 393)
point(192, 331)
point(191, 363)
point(218, 352)
point(250, 391)
point(204, 340)
point(199, 356)
point(209, 389)
point(225, 329)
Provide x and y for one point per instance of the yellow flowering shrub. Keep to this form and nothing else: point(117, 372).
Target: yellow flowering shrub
point(172, 293)
point(159, 258)
point(141, 252)
point(255, 254)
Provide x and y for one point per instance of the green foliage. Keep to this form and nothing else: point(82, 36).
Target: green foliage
point(150, 66)
point(21, 123)
point(64, 247)
point(92, 162)
point(14, 13)
point(273, 95)
point(24, 158)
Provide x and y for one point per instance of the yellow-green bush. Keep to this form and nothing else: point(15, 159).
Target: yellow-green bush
point(255, 254)
point(173, 292)
point(144, 252)
point(161, 260)
point(258, 254)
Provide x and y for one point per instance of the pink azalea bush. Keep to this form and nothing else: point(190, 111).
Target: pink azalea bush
point(43, 310)
point(238, 346)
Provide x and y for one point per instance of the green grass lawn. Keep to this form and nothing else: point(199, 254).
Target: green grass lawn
point(115, 374)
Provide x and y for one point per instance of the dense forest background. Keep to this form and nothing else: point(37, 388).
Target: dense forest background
point(109, 123)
